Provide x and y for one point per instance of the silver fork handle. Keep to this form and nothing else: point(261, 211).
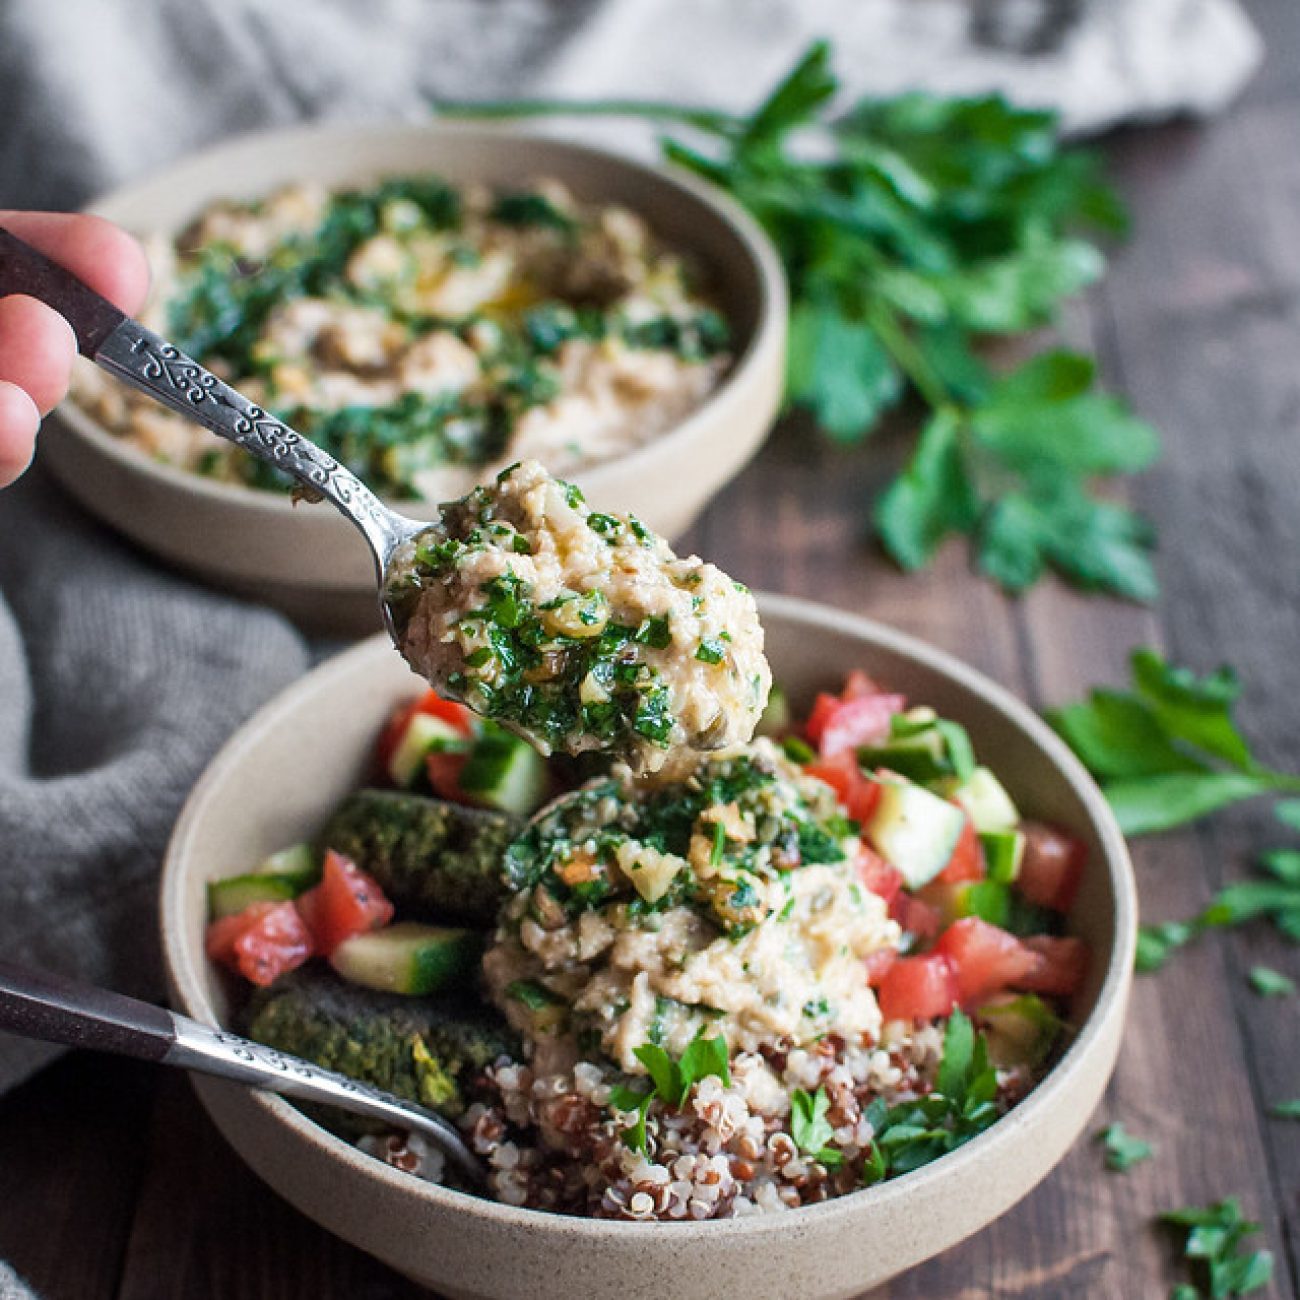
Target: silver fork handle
point(228, 1056)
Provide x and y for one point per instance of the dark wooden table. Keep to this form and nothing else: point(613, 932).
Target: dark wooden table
point(114, 1184)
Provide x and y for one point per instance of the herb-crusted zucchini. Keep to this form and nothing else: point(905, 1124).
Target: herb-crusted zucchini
point(428, 1050)
point(435, 860)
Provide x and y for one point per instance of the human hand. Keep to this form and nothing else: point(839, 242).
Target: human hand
point(36, 344)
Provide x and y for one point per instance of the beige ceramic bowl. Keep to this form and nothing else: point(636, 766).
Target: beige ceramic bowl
point(308, 561)
point(275, 783)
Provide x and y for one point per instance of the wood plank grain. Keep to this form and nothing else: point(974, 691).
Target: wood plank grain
point(71, 1160)
point(206, 1228)
point(1229, 485)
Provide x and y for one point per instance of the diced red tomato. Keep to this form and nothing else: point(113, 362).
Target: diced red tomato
point(915, 916)
point(857, 792)
point(967, 861)
point(823, 706)
point(346, 902)
point(457, 715)
point(262, 942)
point(863, 720)
point(985, 958)
point(877, 875)
point(1052, 867)
point(879, 964)
point(1060, 965)
point(917, 988)
point(857, 684)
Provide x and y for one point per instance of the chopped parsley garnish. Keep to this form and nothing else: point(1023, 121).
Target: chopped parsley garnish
point(534, 995)
point(1286, 1109)
point(1123, 1151)
point(810, 1128)
point(710, 650)
point(719, 844)
point(655, 632)
point(1215, 1234)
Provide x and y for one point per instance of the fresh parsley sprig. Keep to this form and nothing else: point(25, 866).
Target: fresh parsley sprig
point(1213, 1247)
point(670, 1081)
point(962, 1105)
point(1276, 897)
point(811, 1129)
point(1168, 751)
point(912, 229)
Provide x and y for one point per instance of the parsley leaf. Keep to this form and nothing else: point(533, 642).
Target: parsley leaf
point(1169, 750)
point(916, 227)
point(673, 1080)
point(811, 1129)
point(1214, 1237)
point(962, 1106)
point(628, 1099)
point(1269, 983)
point(1123, 1151)
point(1277, 898)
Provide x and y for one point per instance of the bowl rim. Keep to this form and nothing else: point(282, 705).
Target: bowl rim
point(749, 237)
point(183, 957)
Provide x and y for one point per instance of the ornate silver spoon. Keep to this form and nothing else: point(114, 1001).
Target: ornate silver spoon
point(56, 1010)
point(146, 361)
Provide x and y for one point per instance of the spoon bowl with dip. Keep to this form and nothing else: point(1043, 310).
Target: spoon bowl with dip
point(579, 630)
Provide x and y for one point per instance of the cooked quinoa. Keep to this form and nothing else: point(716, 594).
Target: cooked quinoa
point(426, 335)
point(580, 630)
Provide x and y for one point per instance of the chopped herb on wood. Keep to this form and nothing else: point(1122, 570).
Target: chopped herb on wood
point(1123, 1150)
point(1213, 1249)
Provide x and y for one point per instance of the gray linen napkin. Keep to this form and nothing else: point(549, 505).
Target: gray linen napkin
point(117, 680)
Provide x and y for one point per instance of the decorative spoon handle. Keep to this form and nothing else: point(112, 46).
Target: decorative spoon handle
point(146, 361)
point(56, 1010)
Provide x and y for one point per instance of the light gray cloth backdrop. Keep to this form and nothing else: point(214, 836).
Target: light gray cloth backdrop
point(118, 680)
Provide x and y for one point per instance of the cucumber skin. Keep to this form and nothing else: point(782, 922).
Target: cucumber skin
point(315, 1014)
point(436, 861)
point(401, 960)
point(232, 895)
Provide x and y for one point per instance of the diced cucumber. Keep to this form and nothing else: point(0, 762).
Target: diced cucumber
point(776, 718)
point(914, 831)
point(232, 895)
point(299, 864)
point(1003, 853)
point(505, 772)
point(423, 734)
point(918, 755)
point(408, 957)
point(987, 802)
point(1020, 1031)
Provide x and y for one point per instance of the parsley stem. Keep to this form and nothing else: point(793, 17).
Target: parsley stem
point(908, 357)
point(704, 119)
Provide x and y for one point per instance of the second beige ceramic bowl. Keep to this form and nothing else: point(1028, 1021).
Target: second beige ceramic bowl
point(276, 782)
point(307, 560)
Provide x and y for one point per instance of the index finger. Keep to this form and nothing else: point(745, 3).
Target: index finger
point(93, 249)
